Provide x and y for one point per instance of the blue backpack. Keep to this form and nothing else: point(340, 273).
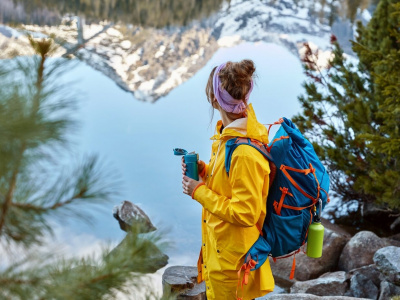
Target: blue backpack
point(298, 180)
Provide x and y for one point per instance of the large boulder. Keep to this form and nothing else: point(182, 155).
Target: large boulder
point(370, 271)
point(309, 297)
point(329, 284)
point(307, 268)
point(388, 290)
point(387, 261)
point(182, 281)
point(131, 216)
point(360, 250)
point(363, 287)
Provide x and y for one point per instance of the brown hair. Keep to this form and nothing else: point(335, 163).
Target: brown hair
point(235, 79)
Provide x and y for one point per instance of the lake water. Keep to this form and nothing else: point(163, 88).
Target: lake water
point(136, 139)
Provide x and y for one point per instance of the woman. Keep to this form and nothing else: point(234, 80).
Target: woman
point(235, 205)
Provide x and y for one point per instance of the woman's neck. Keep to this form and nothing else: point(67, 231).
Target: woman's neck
point(225, 120)
point(228, 118)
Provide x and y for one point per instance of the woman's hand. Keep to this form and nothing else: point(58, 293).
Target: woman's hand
point(183, 166)
point(189, 184)
point(200, 164)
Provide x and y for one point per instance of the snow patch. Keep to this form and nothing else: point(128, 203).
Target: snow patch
point(322, 58)
point(229, 41)
point(175, 79)
point(114, 32)
point(126, 44)
point(366, 15)
point(160, 52)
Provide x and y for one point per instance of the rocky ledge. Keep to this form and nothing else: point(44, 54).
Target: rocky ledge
point(363, 266)
point(132, 218)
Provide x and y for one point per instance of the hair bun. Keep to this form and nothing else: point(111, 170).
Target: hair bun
point(247, 67)
point(236, 77)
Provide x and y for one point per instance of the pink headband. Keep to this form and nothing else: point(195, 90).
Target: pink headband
point(225, 100)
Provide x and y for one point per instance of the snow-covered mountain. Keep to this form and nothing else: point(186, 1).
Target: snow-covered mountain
point(151, 62)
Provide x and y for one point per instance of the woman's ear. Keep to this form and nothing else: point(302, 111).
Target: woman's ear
point(215, 103)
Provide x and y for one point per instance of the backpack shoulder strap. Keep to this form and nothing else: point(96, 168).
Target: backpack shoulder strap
point(233, 143)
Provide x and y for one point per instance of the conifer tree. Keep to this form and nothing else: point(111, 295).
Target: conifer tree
point(351, 111)
point(35, 121)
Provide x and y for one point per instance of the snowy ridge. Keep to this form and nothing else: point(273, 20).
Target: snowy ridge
point(288, 23)
point(151, 62)
point(147, 62)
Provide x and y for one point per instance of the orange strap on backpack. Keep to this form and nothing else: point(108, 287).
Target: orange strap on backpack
point(247, 268)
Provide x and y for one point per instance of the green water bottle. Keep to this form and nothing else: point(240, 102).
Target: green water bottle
point(316, 236)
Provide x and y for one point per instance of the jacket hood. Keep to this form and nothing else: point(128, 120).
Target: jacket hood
point(243, 127)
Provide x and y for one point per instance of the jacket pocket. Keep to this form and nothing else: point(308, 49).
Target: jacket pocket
point(228, 256)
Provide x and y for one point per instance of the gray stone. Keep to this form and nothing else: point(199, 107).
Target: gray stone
point(370, 271)
point(360, 250)
point(309, 268)
point(131, 216)
point(363, 287)
point(387, 261)
point(309, 297)
point(329, 284)
point(388, 290)
point(182, 281)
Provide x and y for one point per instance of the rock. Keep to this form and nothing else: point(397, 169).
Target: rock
point(388, 290)
point(182, 281)
point(387, 261)
point(130, 215)
point(329, 284)
point(363, 287)
point(309, 268)
point(309, 297)
point(370, 271)
point(359, 250)
point(395, 226)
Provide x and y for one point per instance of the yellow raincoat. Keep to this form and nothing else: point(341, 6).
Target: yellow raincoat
point(232, 206)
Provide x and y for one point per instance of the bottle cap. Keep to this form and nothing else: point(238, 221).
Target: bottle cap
point(179, 151)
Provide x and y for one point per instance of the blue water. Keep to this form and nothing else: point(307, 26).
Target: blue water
point(136, 139)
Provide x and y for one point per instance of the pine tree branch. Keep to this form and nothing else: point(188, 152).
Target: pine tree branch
point(43, 49)
point(6, 281)
point(13, 183)
point(95, 280)
point(29, 206)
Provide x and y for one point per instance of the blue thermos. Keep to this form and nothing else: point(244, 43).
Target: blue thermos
point(191, 160)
